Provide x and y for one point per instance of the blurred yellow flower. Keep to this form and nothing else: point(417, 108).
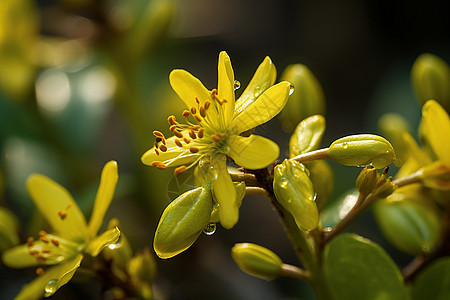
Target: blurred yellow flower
point(72, 237)
point(218, 121)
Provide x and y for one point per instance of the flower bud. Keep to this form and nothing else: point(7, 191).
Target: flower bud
point(257, 260)
point(409, 220)
point(322, 178)
point(394, 126)
point(307, 135)
point(430, 77)
point(294, 191)
point(367, 180)
point(119, 253)
point(142, 267)
point(362, 150)
point(307, 98)
point(182, 222)
point(9, 227)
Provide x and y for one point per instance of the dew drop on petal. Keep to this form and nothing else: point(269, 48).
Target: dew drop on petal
point(345, 145)
point(291, 89)
point(210, 229)
point(51, 286)
point(257, 92)
point(237, 85)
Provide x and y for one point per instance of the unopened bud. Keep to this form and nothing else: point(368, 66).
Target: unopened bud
point(430, 77)
point(142, 267)
point(294, 191)
point(119, 253)
point(182, 222)
point(362, 150)
point(307, 135)
point(409, 220)
point(367, 180)
point(257, 260)
point(307, 98)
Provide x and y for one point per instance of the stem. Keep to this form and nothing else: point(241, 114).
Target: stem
point(254, 190)
point(295, 272)
point(312, 156)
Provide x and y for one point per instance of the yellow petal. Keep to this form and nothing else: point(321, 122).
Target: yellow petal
point(188, 87)
point(267, 106)
point(58, 207)
point(225, 85)
point(437, 129)
point(106, 238)
point(225, 193)
point(52, 279)
point(174, 156)
point(253, 152)
point(263, 78)
point(104, 196)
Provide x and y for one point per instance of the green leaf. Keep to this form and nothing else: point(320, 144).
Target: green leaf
point(338, 209)
point(182, 222)
point(357, 268)
point(433, 282)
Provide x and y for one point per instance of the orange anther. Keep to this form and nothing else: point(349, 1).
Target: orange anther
point(42, 233)
point(163, 140)
point(39, 271)
point(68, 206)
point(62, 214)
point(33, 252)
point(55, 242)
point(30, 241)
point(44, 239)
point(186, 114)
point(200, 132)
point(193, 149)
point(207, 104)
point(216, 138)
point(202, 112)
point(156, 162)
point(156, 151)
point(196, 100)
point(178, 142)
point(161, 166)
point(179, 170)
point(163, 148)
point(192, 134)
point(186, 140)
point(178, 134)
point(158, 134)
point(198, 119)
point(193, 110)
point(172, 120)
point(47, 251)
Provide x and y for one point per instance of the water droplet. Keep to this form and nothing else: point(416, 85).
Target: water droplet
point(257, 92)
point(237, 85)
point(51, 286)
point(291, 89)
point(345, 145)
point(210, 229)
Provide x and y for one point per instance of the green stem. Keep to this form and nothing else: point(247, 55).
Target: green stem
point(312, 156)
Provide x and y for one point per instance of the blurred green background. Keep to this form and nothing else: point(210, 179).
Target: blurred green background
point(83, 82)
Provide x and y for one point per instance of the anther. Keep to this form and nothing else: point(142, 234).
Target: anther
point(202, 112)
point(163, 148)
point(207, 104)
point(178, 134)
point(163, 140)
point(156, 162)
point(46, 251)
point(30, 241)
point(68, 206)
point(192, 134)
point(186, 140)
point(172, 120)
point(62, 214)
point(44, 239)
point(156, 151)
point(200, 132)
point(158, 134)
point(193, 149)
point(193, 110)
point(216, 138)
point(161, 166)
point(39, 271)
point(33, 252)
point(42, 233)
point(178, 142)
point(55, 242)
point(186, 114)
point(198, 119)
point(173, 127)
point(196, 100)
point(179, 170)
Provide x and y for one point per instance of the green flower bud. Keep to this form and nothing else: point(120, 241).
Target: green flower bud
point(142, 271)
point(430, 77)
point(409, 220)
point(182, 222)
point(394, 126)
point(362, 150)
point(9, 227)
point(294, 191)
point(307, 98)
point(257, 260)
point(322, 178)
point(367, 180)
point(119, 253)
point(307, 135)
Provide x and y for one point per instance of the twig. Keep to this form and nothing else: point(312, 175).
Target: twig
point(295, 272)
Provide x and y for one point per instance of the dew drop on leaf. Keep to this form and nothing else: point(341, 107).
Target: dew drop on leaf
point(210, 229)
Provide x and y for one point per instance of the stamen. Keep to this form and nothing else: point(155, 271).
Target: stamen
point(186, 114)
point(193, 110)
point(42, 233)
point(46, 251)
point(44, 239)
point(156, 151)
point(173, 127)
point(163, 148)
point(192, 134)
point(161, 166)
point(178, 142)
point(200, 133)
point(172, 120)
point(193, 149)
point(55, 242)
point(216, 138)
point(197, 118)
point(158, 134)
point(30, 241)
point(178, 134)
point(202, 112)
point(207, 104)
point(163, 141)
point(196, 100)
point(179, 170)
point(39, 271)
point(68, 206)
point(33, 252)
point(62, 214)
point(186, 140)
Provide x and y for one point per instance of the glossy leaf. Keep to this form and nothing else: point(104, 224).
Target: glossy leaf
point(433, 282)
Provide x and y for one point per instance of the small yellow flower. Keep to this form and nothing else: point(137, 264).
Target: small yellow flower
point(217, 122)
point(72, 238)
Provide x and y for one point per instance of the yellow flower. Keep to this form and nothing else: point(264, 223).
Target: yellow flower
point(64, 249)
point(217, 122)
